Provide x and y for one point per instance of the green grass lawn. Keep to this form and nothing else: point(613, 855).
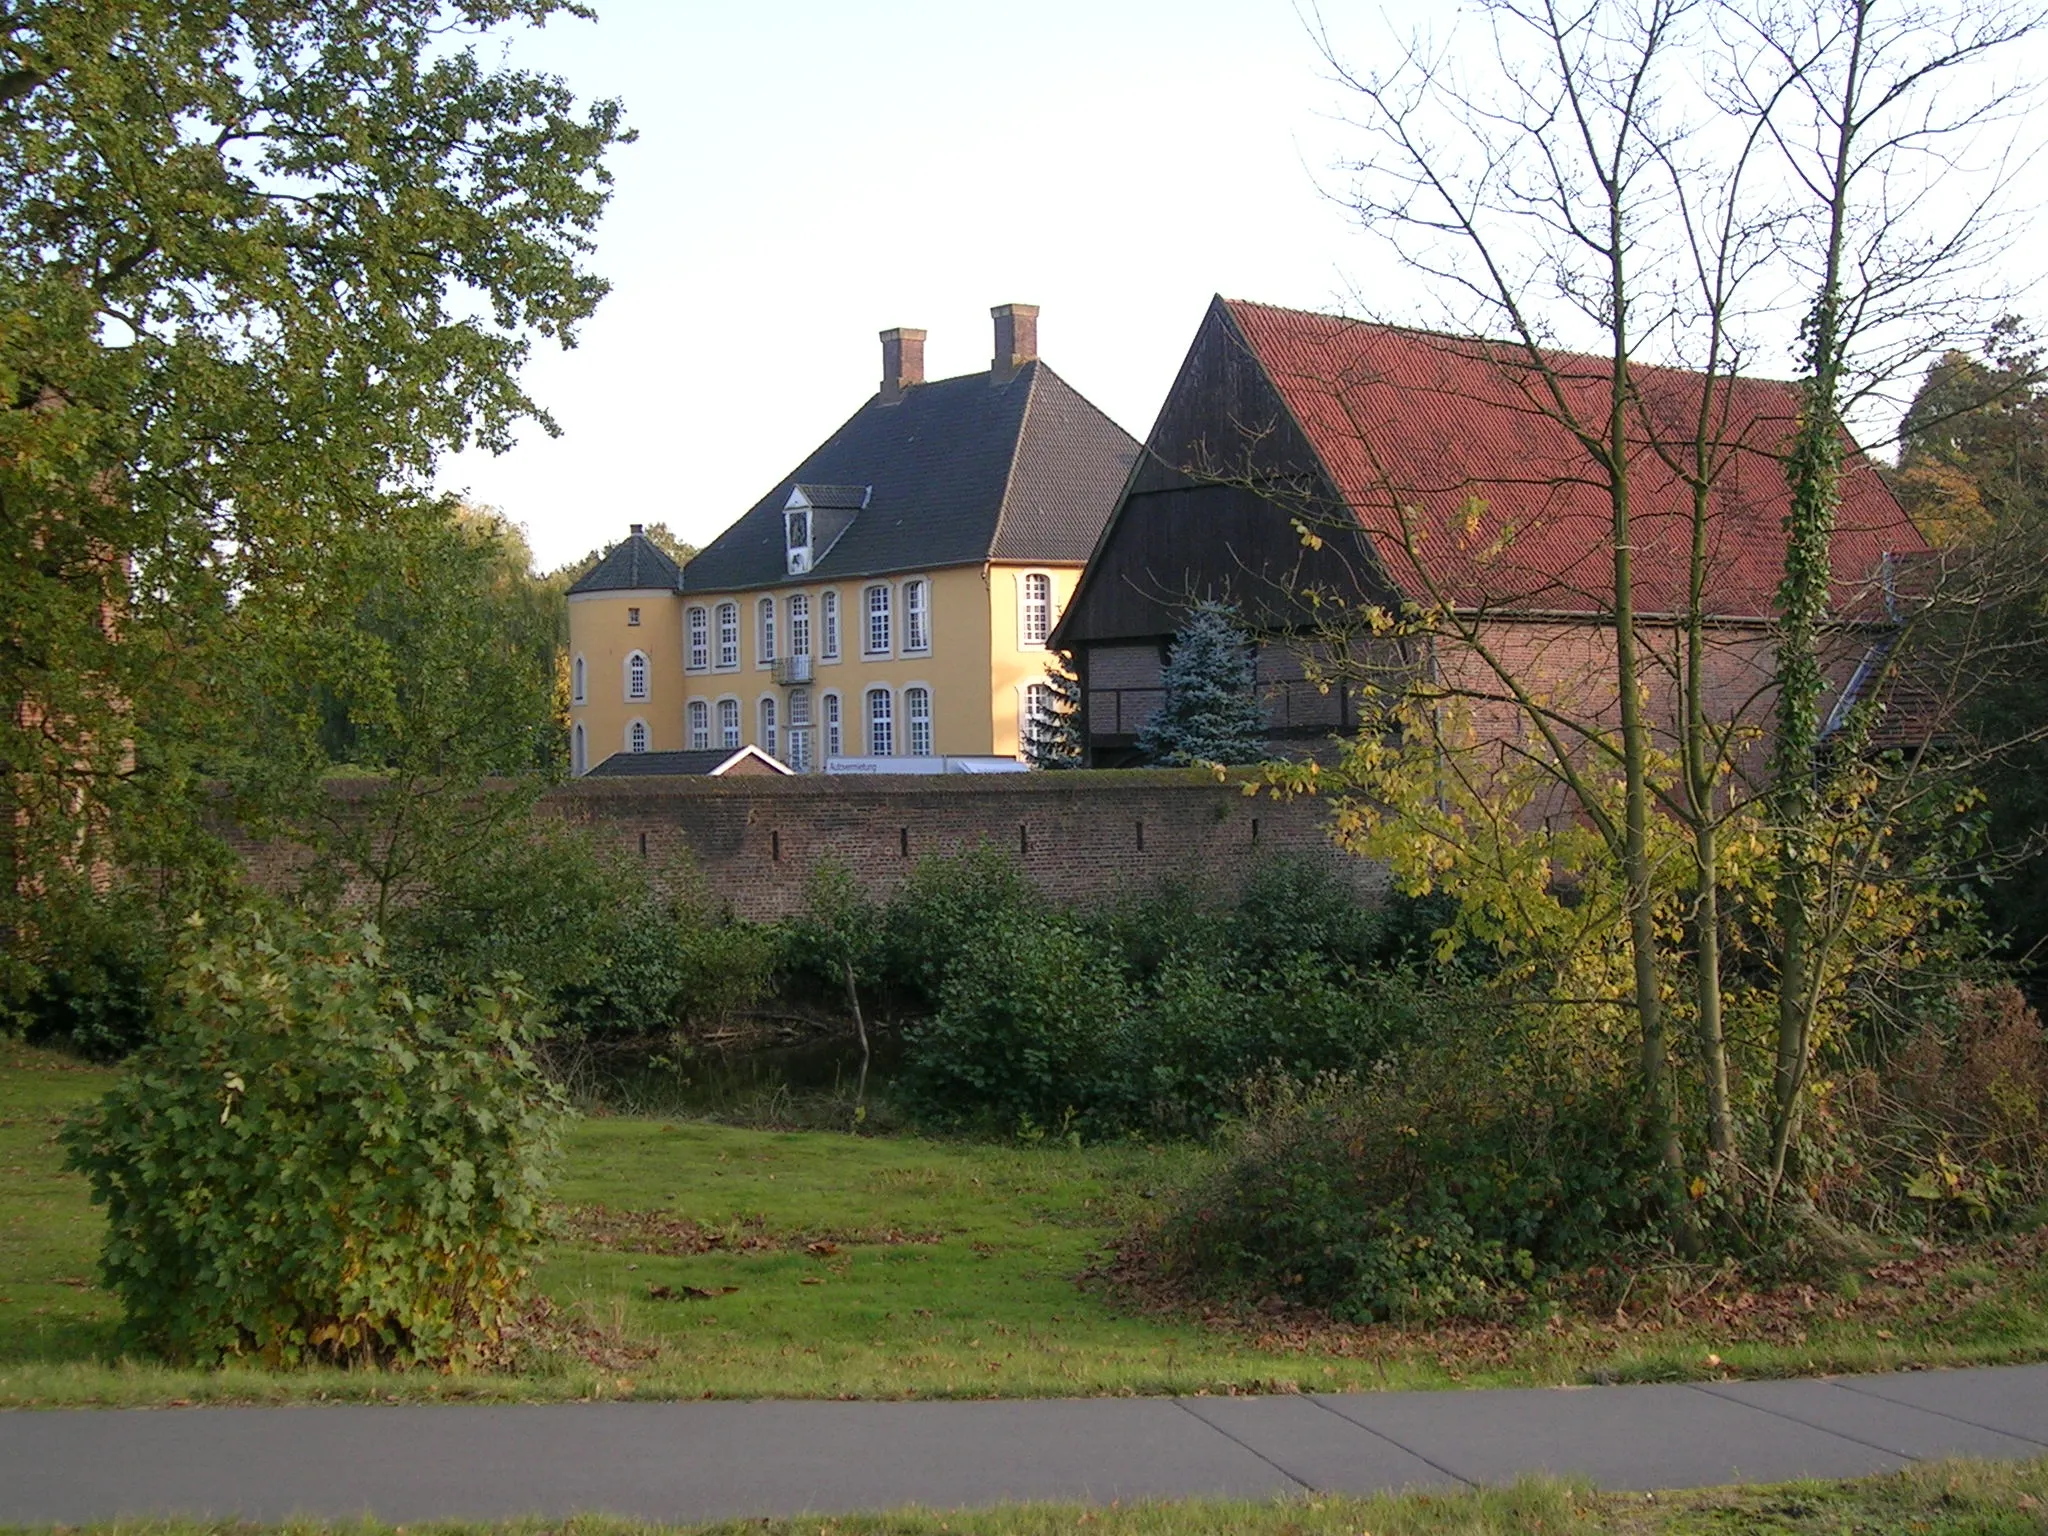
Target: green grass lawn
point(1940, 1499)
point(829, 1265)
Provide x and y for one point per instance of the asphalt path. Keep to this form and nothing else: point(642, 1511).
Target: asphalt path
point(679, 1462)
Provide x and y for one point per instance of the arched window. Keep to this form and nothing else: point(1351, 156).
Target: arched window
point(1034, 621)
point(636, 736)
point(828, 621)
point(799, 625)
point(768, 726)
point(834, 744)
point(576, 680)
point(917, 715)
point(1034, 730)
point(767, 652)
point(700, 639)
point(728, 636)
point(700, 726)
point(636, 675)
point(875, 638)
point(917, 614)
point(796, 739)
point(579, 753)
point(729, 724)
point(881, 723)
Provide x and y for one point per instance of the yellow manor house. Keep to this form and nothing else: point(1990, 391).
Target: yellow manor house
point(890, 598)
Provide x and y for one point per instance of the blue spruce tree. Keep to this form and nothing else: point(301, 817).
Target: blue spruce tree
point(1211, 710)
point(1052, 732)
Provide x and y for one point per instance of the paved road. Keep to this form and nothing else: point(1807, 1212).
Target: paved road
point(701, 1461)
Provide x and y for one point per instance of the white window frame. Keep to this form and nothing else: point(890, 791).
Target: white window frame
point(764, 639)
point(731, 728)
point(870, 612)
point(1025, 640)
point(728, 636)
point(1026, 716)
point(697, 627)
point(917, 616)
point(828, 624)
point(797, 730)
point(799, 624)
point(579, 671)
point(911, 721)
point(765, 717)
point(698, 714)
point(579, 751)
point(638, 738)
point(831, 725)
point(640, 694)
point(883, 743)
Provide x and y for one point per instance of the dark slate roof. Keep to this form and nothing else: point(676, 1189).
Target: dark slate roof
point(849, 498)
point(635, 564)
point(958, 471)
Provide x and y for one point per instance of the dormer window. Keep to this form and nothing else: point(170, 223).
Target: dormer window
point(799, 524)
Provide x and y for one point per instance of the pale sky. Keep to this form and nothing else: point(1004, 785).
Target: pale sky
point(810, 172)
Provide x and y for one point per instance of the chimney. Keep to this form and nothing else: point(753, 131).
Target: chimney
point(638, 529)
point(1016, 340)
point(902, 362)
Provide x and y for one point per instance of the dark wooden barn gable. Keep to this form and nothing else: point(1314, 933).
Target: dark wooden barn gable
point(1212, 509)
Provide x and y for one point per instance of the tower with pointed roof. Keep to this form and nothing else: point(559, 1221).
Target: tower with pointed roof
point(890, 597)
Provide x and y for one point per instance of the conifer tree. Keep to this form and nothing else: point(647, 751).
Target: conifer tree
point(1211, 711)
point(1052, 735)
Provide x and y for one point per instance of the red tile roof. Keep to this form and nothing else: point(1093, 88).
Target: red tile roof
point(1413, 427)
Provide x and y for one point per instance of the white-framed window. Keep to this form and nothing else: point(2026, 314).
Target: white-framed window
point(700, 639)
point(875, 630)
point(1035, 717)
point(700, 725)
point(834, 741)
point(917, 719)
point(729, 723)
point(1034, 608)
point(917, 615)
point(797, 736)
point(881, 723)
point(799, 624)
point(636, 675)
point(579, 753)
point(765, 657)
point(577, 681)
point(636, 736)
point(768, 725)
point(828, 625)
point(728, 636)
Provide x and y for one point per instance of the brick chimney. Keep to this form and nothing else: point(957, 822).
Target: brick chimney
point(1016, 340)
point(902, 362)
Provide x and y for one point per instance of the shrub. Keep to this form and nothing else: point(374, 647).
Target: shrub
point(1025, 1027)
point(314, 1163)
point(941, 915)
point(1433, 1185)
point(97, 987)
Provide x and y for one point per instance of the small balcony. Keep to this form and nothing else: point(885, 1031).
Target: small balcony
point(792, 671)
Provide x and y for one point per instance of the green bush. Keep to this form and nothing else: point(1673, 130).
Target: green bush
point(1027, 1023)
point(313, 1163)
point(96, 986)
point(1434, 1185)
point(941, 916)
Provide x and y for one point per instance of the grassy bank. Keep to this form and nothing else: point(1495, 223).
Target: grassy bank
point(699, 1259)
point(1940, 1499)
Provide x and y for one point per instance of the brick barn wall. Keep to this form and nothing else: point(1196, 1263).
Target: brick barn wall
point(1079, 836)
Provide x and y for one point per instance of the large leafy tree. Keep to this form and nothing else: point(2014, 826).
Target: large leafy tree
point(261, 263)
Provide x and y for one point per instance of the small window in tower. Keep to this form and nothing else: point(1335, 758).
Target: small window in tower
point(632, 616)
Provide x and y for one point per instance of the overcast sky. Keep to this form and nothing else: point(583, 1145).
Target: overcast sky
point(809, 172)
